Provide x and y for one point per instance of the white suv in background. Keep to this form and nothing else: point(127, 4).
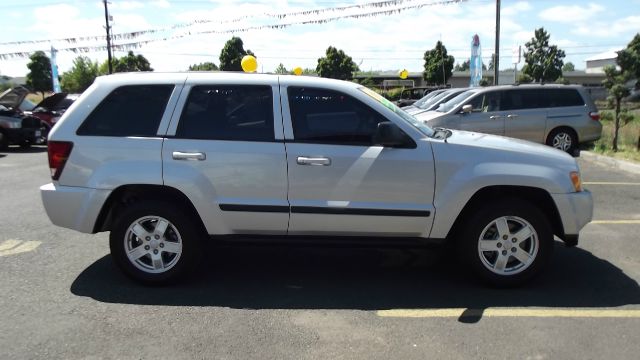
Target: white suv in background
point(166, 161)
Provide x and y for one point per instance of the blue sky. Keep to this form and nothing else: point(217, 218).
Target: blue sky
point(387, 42)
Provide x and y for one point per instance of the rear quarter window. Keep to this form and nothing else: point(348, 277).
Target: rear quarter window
point(564, 97)
point(132, 110)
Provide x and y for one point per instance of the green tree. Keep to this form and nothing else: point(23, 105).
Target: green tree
point(309, 71)
point(615, 83)
point(281, 70)
point(81, 76)
point(438, 66)
point(466, 66)
point(232, 54)
point(39, 76)
point(629, 59)
point(131, 63)
point(568, 67)
point(524, 79)
point(205, 66)
point(543, 61)
point(336, 65)
point(492, 62)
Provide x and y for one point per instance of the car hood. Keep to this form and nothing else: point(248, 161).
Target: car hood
point(516, 147)
point(51, 101)
point(12, 98)
point(427, 115)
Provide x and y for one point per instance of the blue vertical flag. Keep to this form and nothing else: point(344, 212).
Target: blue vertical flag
point(475, 63)
point(54, 71)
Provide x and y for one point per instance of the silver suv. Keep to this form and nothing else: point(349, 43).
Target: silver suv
point(166, 161)
point(561, 116)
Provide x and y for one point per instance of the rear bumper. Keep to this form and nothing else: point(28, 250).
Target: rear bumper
point(73, 207)
point(576, 211)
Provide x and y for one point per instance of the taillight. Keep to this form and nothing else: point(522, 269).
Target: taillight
point(594, 115)
point(59, 152)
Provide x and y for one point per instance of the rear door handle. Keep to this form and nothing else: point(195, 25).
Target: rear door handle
point(493, 117)
point(183, 155)
point(318, 161)
point(512, 116)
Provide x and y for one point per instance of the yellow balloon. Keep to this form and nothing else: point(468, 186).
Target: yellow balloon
point(403, 74)
point(297, 71)
point(249, 63)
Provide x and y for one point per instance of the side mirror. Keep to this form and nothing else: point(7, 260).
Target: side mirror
point(390, 135)
point(467, 108)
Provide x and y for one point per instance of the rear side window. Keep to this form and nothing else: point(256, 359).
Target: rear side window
point(564, 97)
point(228, 112)
point(134, 110)
point(331, 117)
point(524, 99)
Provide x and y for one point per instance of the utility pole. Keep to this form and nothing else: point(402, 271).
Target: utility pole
point(496, 59)
point(106, 21)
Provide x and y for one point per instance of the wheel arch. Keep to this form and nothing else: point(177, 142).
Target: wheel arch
point(128, 194)
point(562, 127)
point(536, 196)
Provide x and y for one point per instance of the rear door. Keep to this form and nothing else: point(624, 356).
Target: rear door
point(340, 183)
point(224, 149)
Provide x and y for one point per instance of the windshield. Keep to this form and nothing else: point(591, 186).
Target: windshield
point(405, 116)
point(434, 100)
point(454, 102)
point(427, 97)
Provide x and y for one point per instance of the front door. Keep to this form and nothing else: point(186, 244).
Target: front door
point(340, 182)
point(486, 115)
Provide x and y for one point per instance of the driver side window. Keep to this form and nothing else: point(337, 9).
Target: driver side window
point(487, 102)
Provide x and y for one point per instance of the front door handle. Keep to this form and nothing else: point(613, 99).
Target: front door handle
point(183, 155)
point(512, 116)
point(493, 117)
point(318, 161)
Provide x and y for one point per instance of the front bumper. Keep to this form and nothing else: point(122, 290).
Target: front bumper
point(19, 136)
point(73, 207)
point(576, 211)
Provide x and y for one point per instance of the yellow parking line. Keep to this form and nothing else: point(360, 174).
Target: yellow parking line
point(510, 312)
point(13, 247)
point(615, 222)
point(610, 183)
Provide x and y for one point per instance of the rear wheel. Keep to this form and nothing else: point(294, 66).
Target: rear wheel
point(155, 242)
point(506, 243)
point(4, 141)
point(563, 139)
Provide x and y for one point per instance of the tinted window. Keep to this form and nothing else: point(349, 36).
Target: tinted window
point(326, 116)
point(228, 112)
point(523, 99)
point(564, 97)
point(128, 111)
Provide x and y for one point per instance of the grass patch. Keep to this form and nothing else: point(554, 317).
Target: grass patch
point(627, 139)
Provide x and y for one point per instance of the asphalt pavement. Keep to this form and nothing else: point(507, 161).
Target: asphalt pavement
point(61, 297)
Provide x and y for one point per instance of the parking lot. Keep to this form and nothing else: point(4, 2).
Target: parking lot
point(61, 297)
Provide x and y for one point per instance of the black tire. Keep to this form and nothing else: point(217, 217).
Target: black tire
point(513, 211)
point(564, 139)
point(187, 229)
point(4, 141)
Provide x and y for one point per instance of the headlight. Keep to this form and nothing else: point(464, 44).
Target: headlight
point(577, 182)
point(15, 124)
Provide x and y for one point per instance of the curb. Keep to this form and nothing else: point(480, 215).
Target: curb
point(613, 162)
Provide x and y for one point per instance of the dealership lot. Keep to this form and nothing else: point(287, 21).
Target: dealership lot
point(61, 297)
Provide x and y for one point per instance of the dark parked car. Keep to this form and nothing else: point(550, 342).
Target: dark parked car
point(18, 128)
point(49, 110)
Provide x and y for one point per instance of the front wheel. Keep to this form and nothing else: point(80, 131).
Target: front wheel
point(154, 242)
point(506, 243)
